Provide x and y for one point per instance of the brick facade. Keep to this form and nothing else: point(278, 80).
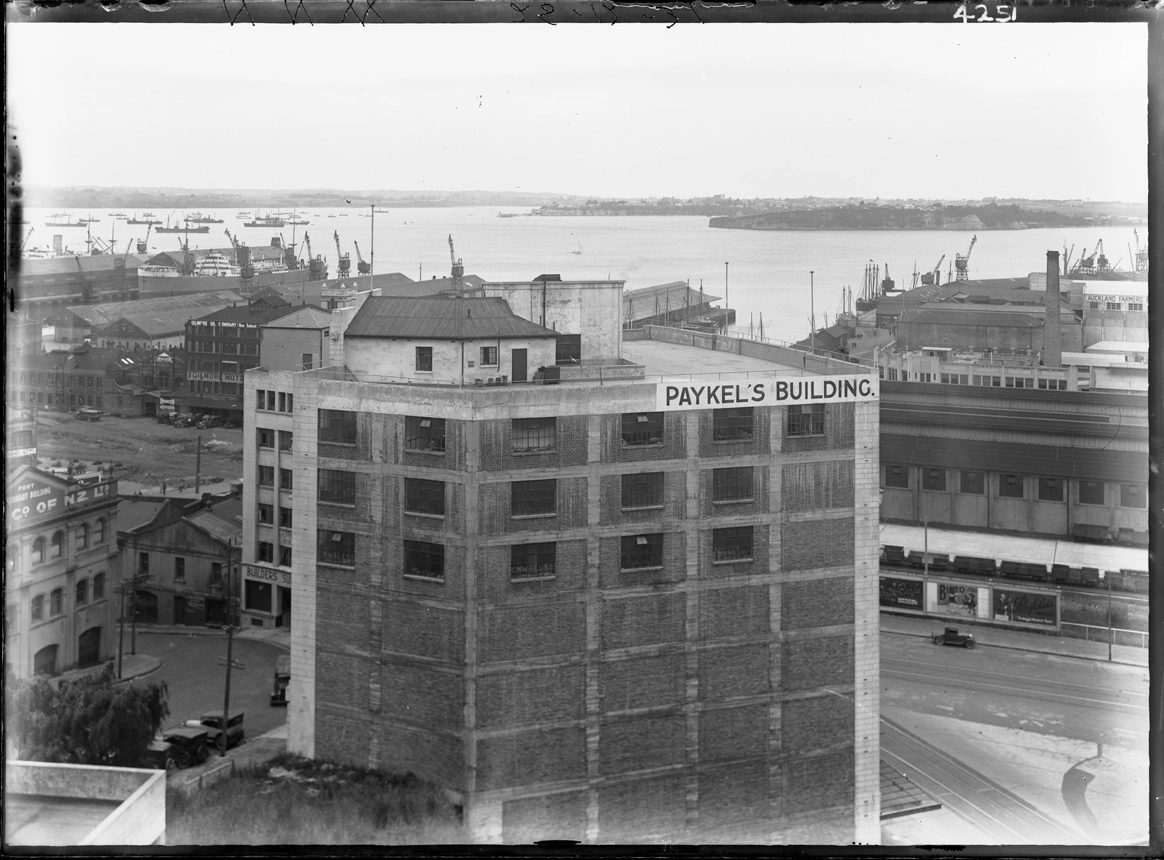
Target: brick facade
point(584, 700)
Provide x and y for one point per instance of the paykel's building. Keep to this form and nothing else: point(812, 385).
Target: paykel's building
point(620, 590)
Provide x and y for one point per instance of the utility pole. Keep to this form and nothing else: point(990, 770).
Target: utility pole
point(129, 586)
point(726, 297)
point(372, 253)
point(231, 620)
point(812, 311)
point(1107, 576)
point(198, 467)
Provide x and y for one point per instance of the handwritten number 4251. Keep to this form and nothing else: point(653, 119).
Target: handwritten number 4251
point(1004, 13)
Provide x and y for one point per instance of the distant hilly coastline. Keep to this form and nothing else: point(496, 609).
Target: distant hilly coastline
point(936, 217)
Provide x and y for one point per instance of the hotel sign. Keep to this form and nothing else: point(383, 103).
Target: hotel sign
point(776, 390)
point(267, 574)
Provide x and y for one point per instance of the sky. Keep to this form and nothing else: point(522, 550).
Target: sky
point(746, 110)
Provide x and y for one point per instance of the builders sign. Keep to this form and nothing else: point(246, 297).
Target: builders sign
point(775, 390)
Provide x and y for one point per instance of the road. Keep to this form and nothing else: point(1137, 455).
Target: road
point(196, 682)
point(1009, 740)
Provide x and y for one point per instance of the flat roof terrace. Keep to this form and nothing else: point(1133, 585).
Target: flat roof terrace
point(660, 358)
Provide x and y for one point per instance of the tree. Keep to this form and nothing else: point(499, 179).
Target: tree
point(93, 720)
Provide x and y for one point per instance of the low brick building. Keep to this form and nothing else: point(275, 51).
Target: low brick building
point(609, 609)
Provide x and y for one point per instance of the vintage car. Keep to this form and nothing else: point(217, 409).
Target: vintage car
point(211, 723)
point(88, 413)
point(282, 679)
point(178, 747)
point(951, 636)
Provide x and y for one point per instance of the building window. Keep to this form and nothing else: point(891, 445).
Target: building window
point(532, 561)
point(82, 537)
point(1135, 306)
point(337, 487)
point(1094, 306)
point(337, 426)
point(424, 497)
point(897, 476)
point(143, 563)
point(1010, 486)
point(265, 551)
point(266, 476)
point(1133, 496)
point(82, 592)
point(285, 556)
point(286, 479)
point(488, 356)
point(336, 547)
point(1050, 490)
point(99, 532)
point(424, 434)
point(286, 402)
point(56, 602)
point(1113, 306)
point(734, 544)
point(179, 570)
point(642, 428)
point(806, 419)
point(285, 517)
point(934, 479)
point(534, 434)
point(533, 498)
point(732, 425)
point(57, 545)
point(642, 551)
point(38, 608)
point(733, 484)
point(972, 483)
point(99, 587)
point(1091, 493)
point(424, 560)
point(260, 398)
point(424, 359)
point(642, 490)
point(266, 437)
point(38, 551)
point(285, 437)
point(266, 514)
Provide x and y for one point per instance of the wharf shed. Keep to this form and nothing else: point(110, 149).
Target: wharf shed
point(562, 598)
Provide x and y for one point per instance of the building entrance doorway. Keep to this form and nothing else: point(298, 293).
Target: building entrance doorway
point(89, 648)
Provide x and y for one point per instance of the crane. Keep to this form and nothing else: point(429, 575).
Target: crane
point(143, 245)
point(933, 278)
point(344, 260)
point(30, 229)
point(242, 257)
point(314, 264)
point(362, 266)
point(1086, 265)
point(458, 267)
point(1101, 266)
point(962, 263)
point(1141, 258)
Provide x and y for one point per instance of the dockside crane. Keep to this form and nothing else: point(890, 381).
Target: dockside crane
point(242, 257)
point(962, 263)
point(315, 265)
point(934, 277)
point(362, 266)
point(1086, 265)
point(30, 229)
point(458, 268)
point(143, 245)
point(345, 260)
point(1141, 258)
point(1101, 263)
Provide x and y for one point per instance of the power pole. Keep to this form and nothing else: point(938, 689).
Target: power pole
point(198, 467)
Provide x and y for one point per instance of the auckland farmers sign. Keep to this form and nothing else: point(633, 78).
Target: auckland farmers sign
point(765, 391)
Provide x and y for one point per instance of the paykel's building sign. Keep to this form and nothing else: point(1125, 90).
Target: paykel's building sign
point(765, 391)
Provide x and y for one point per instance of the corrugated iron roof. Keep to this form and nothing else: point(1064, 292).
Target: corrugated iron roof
point(309, 317)
point(154, 324)
point(661, 298)
point(88, 263)
point(107, 312)
point(1089, 464)
point(441, 318)
point(246, 313)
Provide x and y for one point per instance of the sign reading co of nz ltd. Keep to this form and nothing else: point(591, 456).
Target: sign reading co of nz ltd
point(759, 391)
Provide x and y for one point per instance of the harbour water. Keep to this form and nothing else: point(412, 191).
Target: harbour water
point(767, 275)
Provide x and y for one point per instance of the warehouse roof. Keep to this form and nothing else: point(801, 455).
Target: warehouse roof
point(74, 265)
point(433, 286)
point(246, 313)
point(108, 312)
point(309, 317)
point(441, 318)
point(153, 324)
point(650, 301)
point(953, 313)
point(1089, 464)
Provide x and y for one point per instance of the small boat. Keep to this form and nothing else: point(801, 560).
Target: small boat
point(265, 222)
point(577, 250)
point(66, 224)
point(148, 218)
point(199, 218)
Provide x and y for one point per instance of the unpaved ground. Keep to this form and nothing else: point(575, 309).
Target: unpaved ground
point(140, 449)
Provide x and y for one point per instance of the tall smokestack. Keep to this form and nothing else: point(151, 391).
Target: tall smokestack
point(1052, 338)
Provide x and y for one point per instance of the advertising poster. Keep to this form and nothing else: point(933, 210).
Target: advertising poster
point(1026, 607)
point(901, 593)
point(957, 599)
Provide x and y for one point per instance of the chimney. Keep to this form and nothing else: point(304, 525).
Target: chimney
point(1052, 338)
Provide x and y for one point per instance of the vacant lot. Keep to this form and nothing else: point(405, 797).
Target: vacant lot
point(140, 449)
point(293, 801)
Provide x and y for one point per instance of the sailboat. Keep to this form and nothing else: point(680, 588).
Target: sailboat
point(578, 250)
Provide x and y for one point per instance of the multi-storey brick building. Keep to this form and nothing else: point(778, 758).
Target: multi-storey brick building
point(60, 573)
point(640, 603)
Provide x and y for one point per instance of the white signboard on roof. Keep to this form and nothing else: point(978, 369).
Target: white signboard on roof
point(755, 390)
